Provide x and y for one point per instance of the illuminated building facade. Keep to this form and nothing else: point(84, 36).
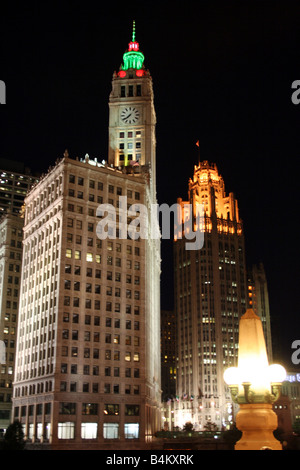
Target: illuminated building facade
point(88, 359)
point(210, 297)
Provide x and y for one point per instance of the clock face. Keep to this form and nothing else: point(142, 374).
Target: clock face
point(130, 115)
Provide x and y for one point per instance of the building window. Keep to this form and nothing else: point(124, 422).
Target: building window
point(128, 356)
point(132, 410)
point(111, 430)
point(131, 430)
point(89, 408)
point(89, 430)
point(111, 409)
point(66, 430)
point(67, 408)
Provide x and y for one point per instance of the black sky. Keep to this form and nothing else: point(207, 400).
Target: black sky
point(222, 73)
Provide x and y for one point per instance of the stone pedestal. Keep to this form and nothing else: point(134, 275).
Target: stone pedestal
point(257, 423)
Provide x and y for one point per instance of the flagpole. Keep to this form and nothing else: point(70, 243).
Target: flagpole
point(198, 145)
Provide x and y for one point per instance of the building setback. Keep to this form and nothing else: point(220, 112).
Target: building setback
point(88, 352)
point(210, 297)
point(15, 181)
point(11, 235)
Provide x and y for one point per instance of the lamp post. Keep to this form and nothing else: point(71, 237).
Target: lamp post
point(255, 386)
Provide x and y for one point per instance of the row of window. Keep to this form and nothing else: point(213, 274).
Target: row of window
point(109, 323)
point(70, 408)
point(13, 280)
point(89, 304)
point(66, 430)
point(12, 292)
point(87, 318)
point(89, 287)
point(94, 369)
point(77, 223)
point(129, 145)
point(74, 350)
point(131, 90)
point(13, 255)
point(92, 212)
point(118, 192)
point(86, 387)
point(92, 185)
point(130, 135)
point(110, 261)
point(129, 372)
point(90, 257)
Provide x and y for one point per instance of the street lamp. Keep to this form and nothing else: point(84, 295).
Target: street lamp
point(255, 386)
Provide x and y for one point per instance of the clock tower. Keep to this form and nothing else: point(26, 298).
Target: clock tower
point(132, 153)
point(132, 116)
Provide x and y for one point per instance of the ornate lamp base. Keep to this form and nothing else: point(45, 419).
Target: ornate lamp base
point(257, 423)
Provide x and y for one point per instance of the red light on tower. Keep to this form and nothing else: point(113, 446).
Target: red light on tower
point(139, 73)
point(133, 46)
point(122, 73)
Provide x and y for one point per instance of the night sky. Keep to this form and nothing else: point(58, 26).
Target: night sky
point(222, 74)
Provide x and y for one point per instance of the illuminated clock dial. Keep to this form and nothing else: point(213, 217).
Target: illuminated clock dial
point(130, 115)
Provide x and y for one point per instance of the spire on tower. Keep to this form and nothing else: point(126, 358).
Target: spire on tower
point(133, 58)
point(133, 31)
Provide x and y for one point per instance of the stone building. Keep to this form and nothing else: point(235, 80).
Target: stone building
point(210, 297)
point(88, 352)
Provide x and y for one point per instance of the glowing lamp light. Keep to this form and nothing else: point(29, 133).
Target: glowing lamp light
point(276, 373)
point(255, 386)
point(139, 73)
point(232, 376)
point(253, 381)
point(122, 74)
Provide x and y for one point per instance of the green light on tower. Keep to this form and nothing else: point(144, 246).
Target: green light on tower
point(133, 58)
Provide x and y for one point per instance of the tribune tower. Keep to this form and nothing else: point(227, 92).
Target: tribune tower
point(210, 297)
